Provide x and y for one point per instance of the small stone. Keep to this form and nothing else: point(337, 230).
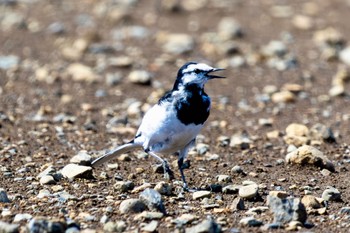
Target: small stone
point(223, 140)
point(302, 22)
point(312, 202)
point(326, 172)
point(343, 210)
point(322, 132)
point(344, 55)
point(202, 148)
point(147, 215)
point(208, 225)
point(283, 97)
point(249, 191)
point(237, 204)
point(82, 158)
point(337, 90)
point(275, 48)
point(257, 210)
point(240, 140)
point(224, 178)
point(47, 179)
point(250, 222)
point(132, 206)
point(201, 194)
point(140, 77)
point(279, 194)
point(119, 226)
point(72, 171)
point(113, 79)
point(164, 188)
point(22, 217)
point(80, 72)
point(178, 44)
point(9, 62)
point(237, 169)
point(56, 28)
point(231, 189)
point(294, 226)
point(8, 228)
point(45, 225)
point(153, 200)
point(331, 194)
point(309, 155)
point(3, 196)
point(150, 227)
point(287, 210)
point(272, 226)
point(123, 186)
point(229, 28)
point(121, 62)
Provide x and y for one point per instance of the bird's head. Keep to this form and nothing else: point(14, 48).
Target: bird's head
point(195, 73)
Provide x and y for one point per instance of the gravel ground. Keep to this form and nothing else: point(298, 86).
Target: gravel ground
point(77, 76)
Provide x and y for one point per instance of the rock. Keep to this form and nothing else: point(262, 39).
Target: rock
point(178, 44)
point(9, 62)
point(250, 222)
point(202, 148)
point(113, 79)
point(56, 28)
point(150, 227)
point(64, 196)
point(312, 202)
point(8, 228)
point(147, 215)
point(229, 28)
point(121, 62)
point(343, 210)
point(45, 225)
point(294, 226)
point(257, 210)
point(310, 155)
point(231, 189)
point(72, 171)
point(208, 225)
point(337, 90)
point(82, 158)
point(237, 169)
point(132, 206)
point(22, 217)
point(50, 170)
point(321, 132)
point(279, 194)
point(272, 226)
point(47, 179)
point(119, 226)
point(287, 210)
point(283, 97)
point(249, 191)
point(344, 55)
point(3, 196)
point(240, 140)
point(275, 48)
point(140, 77)
point(80, 72)
point(326, 172)
point(153, 200)
point(164, 188)
point(302, 22)
point(201, 194)
point(329, 37)
point(224, 178)
point(123, 186)
point(237, 204)
point(331, 194)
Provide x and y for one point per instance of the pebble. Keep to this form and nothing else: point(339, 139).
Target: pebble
point(223, 140)
point(208, 225)
point(81, 73)
point(130, 32)
point(312, 202)
point(322, 132)
point(22, 217)
point(147, 215)
point(237, 204)
point(272, 226)
point(294, 226)
point(283, 97)
point(240, 140)
point(250, 222)
point(231, 189)
point(279, 194)
point(119, 226)
point(202, 148)
point(123, 186)
point(310, 155)
point(9, 62)
point(153, 200)
point(47, 179)
point(132, 206)
point(113, 79)
point(287, 210)
point(249, 191)
point(331, 194)
point(224, 178)
point(164, 188)
point(344, 55)
point(229, 28)
point(121, 62)
point(8, 227)
point(275, 48)
point(150, 227)
point(201, 194)
point(45, 225)
point(72, 171)
point(56, 28)
point(43, 193)
point(82, 158)
point(343, 210)
point(237, 169)
point(302, 22)
point(178, 44)
point(3, 196)
point(142, 77)
point(337, 90)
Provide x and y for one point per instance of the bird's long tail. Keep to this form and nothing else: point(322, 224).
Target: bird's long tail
point(114, 153)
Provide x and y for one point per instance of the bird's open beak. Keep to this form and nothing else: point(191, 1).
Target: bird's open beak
point(214, 76)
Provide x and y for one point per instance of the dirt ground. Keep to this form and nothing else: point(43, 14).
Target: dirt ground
point(50, 111)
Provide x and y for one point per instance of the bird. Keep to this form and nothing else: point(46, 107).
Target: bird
point(171, 125)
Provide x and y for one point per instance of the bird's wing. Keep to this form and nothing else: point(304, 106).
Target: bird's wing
point(114, 153)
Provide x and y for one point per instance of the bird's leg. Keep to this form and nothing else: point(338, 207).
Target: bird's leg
point(168, 173)
point(182, 166)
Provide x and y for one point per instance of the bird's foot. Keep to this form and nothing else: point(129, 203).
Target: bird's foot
point(168, 173)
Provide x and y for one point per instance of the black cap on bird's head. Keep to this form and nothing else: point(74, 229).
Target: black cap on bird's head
point(195, 73)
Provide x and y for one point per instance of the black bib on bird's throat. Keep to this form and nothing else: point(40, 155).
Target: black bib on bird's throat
point(195, 107)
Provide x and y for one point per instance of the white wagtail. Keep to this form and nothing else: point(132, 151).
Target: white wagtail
point(171, 126)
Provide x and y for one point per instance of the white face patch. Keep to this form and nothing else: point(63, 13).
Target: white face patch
point(189, 76)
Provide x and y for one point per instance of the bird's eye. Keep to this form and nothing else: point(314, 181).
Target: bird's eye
point(197, 71)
